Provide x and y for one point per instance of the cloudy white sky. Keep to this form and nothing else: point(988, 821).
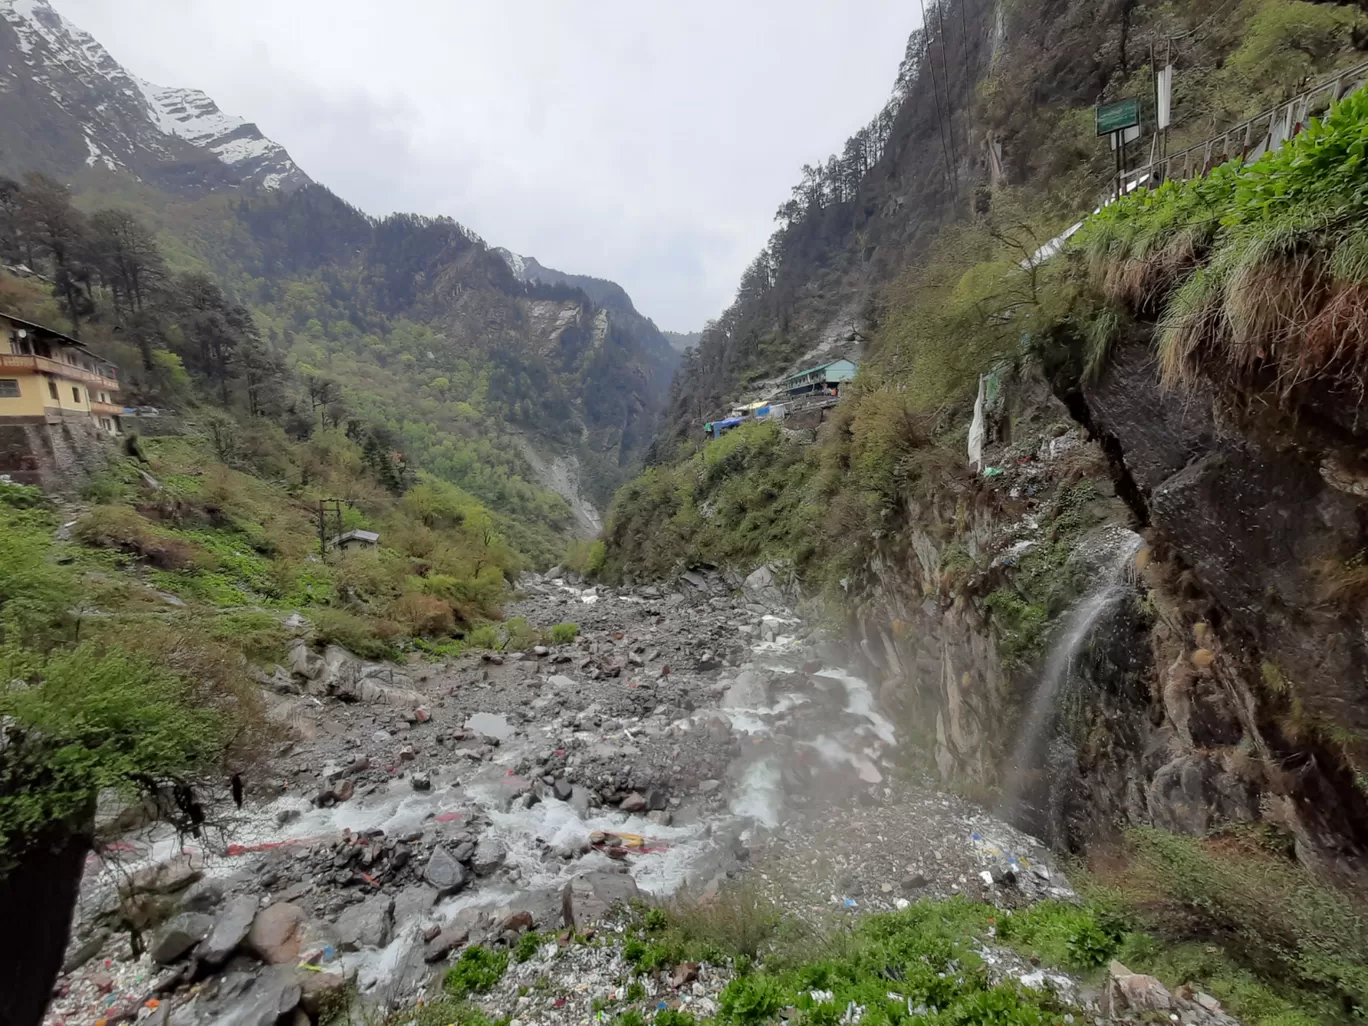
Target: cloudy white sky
point(647, 141)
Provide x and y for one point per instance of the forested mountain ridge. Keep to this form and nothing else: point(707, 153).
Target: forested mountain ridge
point(423, 327)
point(988, 130)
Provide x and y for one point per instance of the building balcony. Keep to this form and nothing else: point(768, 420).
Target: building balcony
point(106, 409)
point(104, 376)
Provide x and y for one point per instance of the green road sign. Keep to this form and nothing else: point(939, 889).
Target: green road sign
point(1117, 117)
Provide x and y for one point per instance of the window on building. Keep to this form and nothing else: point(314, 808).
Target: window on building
point(9, 388)
point(52, 390)
point(75, 395)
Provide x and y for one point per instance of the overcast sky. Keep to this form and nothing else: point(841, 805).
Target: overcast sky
point(647, 141)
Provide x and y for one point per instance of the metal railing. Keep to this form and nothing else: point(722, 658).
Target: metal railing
point(1250, 139)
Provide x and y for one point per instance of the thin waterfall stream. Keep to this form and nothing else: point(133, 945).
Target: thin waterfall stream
point(1115, 576)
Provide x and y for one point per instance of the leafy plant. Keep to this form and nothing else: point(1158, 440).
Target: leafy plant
point(528, 944)
point(564, 633)
point(475, 972)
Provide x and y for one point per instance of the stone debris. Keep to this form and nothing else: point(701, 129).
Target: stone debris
point(686, 736)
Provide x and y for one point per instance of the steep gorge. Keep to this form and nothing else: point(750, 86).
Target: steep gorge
point(1224, 685)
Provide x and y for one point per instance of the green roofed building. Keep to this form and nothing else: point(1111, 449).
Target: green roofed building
point(827, 377)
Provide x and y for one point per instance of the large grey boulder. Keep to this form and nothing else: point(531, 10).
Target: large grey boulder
point(444, 873)
point(489, 855)
point(245, 999)
point(230, 929)
point(367, 925)
point(589, 898)
point(180, 933)
point(762, 588)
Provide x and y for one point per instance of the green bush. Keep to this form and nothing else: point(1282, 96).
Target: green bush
point(1077, 937)
point(258, 634)
point(475, 972)
point(564, 633)
point(528, 944)
point(87, 720)
point(20, 496)
point(1278, 920)
point(484, 636)
point(751, 1000)
point(367, 637)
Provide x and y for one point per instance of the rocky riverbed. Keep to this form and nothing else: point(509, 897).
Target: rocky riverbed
point(684, 737)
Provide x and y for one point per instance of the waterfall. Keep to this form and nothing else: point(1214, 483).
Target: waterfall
point(1115, 576)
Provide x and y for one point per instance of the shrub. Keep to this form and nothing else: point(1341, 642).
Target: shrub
point(1279, 920)
point(260, 635)
point(584, 557)
point(475, 972)
point(90, 719)
point(368, 637)
point(1061, 934)
point(20, 496)
point(564, 633)
point(751, 1000)
point(528, 944)
point(119, 527)
point(484, 636)
point(424, 615)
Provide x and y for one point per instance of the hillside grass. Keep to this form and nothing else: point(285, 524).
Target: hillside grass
point(237, 541)
point(1259, 274)
point(927, 960)
point(119, 703)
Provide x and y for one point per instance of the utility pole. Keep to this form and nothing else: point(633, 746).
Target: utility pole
point(326, 506)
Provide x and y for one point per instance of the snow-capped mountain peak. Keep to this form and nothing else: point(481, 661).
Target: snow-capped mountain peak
point(62, 94)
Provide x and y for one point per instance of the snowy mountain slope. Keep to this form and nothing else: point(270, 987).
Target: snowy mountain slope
point(65, 102)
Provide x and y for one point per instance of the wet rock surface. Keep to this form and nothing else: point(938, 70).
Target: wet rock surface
point(686, 737)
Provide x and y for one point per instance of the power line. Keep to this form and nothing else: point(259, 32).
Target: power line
point(949, 108)
point(940, 124)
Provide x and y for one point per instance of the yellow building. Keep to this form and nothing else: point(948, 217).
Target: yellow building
point(50, 378)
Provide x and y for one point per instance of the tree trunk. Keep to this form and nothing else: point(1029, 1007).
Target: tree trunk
point(36, 903)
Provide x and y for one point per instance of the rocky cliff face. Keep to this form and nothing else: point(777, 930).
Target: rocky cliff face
point(65, 103)
point(1222, 681)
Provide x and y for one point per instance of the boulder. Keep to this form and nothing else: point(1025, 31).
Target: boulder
point(85, 951)
point(276, 933)
point(164, 878)
point(446, 941)
point(229, 930)
point(367, 925)
point(634, 802)
point(762, 588)
point(489, 855)
point(1129, 992)
point(589, 898)
point(244, 999)
point(203, 896)
point(413, 901)
point(181, 933)
point(444, 873)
